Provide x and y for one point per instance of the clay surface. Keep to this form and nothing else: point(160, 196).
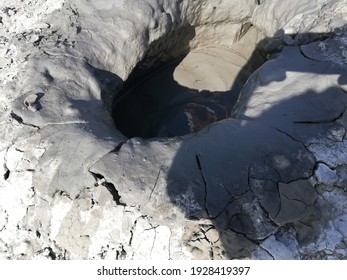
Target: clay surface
point(267, 182)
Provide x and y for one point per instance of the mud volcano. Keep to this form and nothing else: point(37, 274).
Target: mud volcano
point(186, 94)
point(91, 167)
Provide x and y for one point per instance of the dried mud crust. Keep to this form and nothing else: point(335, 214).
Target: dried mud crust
point(267, 184)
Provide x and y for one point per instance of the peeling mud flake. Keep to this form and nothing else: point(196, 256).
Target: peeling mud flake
point(325, 176)
point(332, 155)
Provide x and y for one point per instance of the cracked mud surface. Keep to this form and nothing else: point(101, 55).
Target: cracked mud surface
point(268, 183)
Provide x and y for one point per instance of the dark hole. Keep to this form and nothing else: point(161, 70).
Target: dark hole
point(152, 103)
point(157, 106)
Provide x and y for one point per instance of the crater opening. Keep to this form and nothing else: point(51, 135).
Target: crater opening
point(187, 90)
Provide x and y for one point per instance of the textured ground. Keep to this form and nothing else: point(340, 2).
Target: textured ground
point(268, 183)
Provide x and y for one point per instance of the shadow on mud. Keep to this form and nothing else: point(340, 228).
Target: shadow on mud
point(249, 173)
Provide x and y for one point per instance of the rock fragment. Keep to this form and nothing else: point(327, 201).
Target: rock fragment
point(325, 176)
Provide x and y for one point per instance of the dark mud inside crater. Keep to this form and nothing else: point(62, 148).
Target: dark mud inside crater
point(155, 104)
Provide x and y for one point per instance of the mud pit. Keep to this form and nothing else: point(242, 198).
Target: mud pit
point(188, 94)
point(267, 182)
